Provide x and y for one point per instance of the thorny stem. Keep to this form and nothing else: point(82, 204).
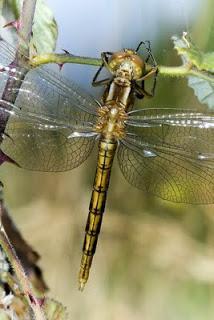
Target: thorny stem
point(183, 71)
point(61, 58)
point(26, 23)
point(25, 29)
point(178, 71)
point(25, 284)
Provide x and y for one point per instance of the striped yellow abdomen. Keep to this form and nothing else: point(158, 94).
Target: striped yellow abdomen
point(107, 148)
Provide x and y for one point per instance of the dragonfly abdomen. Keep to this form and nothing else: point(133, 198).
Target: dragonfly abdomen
point(107, 148)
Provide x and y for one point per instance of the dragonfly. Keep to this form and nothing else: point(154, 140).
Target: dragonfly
point(52, 125)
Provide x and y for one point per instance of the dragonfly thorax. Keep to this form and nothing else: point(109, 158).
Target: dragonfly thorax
point(111, 121)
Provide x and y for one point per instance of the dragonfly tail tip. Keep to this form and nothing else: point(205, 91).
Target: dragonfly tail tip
point(81, 285)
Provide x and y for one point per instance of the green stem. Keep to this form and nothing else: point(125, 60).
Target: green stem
point(63, 58)
point(184, 71)
point(179, 71)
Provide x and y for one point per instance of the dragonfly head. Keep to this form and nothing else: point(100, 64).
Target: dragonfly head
point(127, 63)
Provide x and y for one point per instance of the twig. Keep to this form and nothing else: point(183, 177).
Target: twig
point(62, 58)
point(178, 71)
point(25, 29)
point(25, 284)
point(26, 23)
point(23, 280)
point(184, 71)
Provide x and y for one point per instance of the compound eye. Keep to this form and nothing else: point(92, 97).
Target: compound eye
point(138, 66)
point(116, 59)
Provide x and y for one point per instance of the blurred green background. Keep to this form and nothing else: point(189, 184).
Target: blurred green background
point(155, 259)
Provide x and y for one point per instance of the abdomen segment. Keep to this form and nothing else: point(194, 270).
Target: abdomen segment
point(107, 148)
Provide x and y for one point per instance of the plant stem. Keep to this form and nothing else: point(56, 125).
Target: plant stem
point(184, 70)
point(63, 58)
point(26, 23)
point(178, 71)
point(25, 284)
point(25, 29)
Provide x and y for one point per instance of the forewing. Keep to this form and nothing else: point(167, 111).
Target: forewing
point(49, 127)
point(49, 91)
point(42, 145)
point(7, 52)
point(170, 154)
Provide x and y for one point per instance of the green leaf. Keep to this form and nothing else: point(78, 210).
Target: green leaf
point(200, 63)
point(10, 9)
point(208, 61)
point(203, 89)
point(45, 30)
point(191, 54)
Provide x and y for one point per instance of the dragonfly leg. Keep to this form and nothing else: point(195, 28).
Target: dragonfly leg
point(147, 45)
point(150, 55)
point(140, 88)
point(102, 82)
point(141, 92)
point(105, 58)
point(152, 72)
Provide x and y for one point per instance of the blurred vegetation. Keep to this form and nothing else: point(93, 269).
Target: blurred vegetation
point(155, 259)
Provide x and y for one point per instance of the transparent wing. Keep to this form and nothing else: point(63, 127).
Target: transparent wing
point(7, 52)
point(49, 127)
point(170, 153)
point(40, 144)
point(154, 117)
point(45, 88)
